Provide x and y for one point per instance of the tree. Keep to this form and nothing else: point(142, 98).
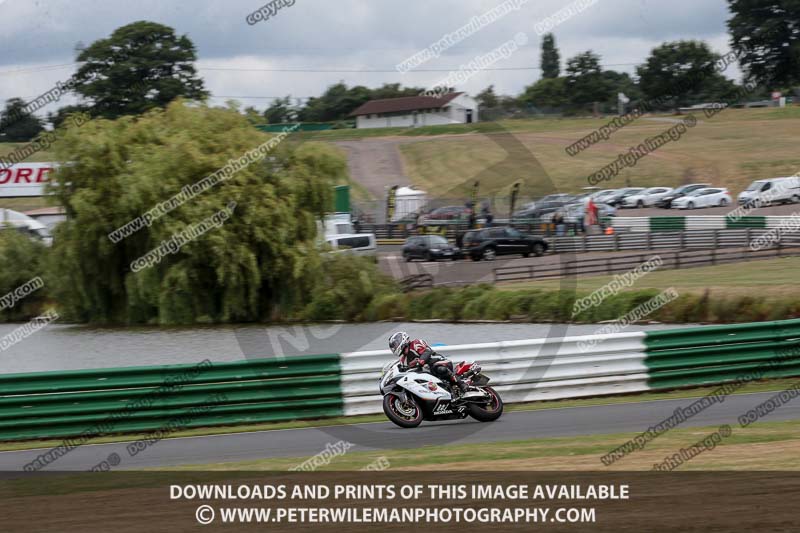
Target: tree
point(338, 101)
point(621, 82)
point(16, 125)
point(253, 116)
point(682, 71)
point(487, 97)
point(280, 111)
point(140, 66)
point(585, 82)
point(261, 263)
point(57, 118)
point(548, 93)
point(766, 37)
point(335, 103)
point(550, 58)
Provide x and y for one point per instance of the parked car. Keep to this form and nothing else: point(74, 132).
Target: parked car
point(429, 248)
point(666, 200)
point(559, 197)
point(647, 197)
point(616, 198)
point(708, 197)
point(576, 213)
point(600, 196)
point(449, 212)
point(771, 191)
point(539, 210)
point(489, 243)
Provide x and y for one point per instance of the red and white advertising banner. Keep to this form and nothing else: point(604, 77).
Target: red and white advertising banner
point(24, 179)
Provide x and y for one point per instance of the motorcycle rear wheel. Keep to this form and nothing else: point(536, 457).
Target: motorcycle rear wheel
point(492, 411)
point(404, 415)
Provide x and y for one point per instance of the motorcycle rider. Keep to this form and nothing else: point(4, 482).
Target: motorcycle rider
point(417, 353)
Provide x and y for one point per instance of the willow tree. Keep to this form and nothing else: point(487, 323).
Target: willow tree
point(260, 262)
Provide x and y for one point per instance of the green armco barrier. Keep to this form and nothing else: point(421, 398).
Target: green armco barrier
point(716, 354)
point(114, 400)
point(667, 223)
point(723, 334)
point(130, 377)
point(745, 222)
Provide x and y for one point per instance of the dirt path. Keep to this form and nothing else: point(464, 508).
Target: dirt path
point(375, 163)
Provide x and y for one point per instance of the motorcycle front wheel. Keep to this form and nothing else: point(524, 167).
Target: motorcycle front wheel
point(490, 411)
point(405, 415)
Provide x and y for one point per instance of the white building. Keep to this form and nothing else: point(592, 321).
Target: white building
point(414, 111)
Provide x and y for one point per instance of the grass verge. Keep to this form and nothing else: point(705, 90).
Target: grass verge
point(764, 446)
point(775, 277)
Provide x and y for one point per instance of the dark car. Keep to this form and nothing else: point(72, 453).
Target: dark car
point(539, 209)
point(430, 248)
point(683, 190)
point(491, 242)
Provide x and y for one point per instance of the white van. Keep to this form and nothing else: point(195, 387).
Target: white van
point(771, 191)
point(355, 243)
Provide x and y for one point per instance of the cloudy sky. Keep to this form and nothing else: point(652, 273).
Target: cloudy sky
point(357, 41)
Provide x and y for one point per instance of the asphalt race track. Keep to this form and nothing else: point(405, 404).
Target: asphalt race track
point(561, 422)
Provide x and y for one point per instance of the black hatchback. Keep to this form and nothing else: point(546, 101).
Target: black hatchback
point(430, 248)
point(489, 243)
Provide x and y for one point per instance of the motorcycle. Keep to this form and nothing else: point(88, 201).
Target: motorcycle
point(413, 395)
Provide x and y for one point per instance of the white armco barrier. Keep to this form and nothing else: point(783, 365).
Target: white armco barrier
point(520, 371)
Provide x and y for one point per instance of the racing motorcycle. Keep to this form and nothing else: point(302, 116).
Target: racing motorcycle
point(413, 395)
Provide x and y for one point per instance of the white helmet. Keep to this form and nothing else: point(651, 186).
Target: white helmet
point(398, 343)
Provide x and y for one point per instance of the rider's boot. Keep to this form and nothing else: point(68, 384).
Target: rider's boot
point(464, 392)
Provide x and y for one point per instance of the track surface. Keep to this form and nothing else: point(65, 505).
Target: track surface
point(563, 422)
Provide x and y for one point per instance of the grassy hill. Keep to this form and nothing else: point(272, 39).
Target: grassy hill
point(731, 149)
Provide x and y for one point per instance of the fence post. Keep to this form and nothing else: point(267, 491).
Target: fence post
point(530, 272)
point(649, 240)
point(616, 241)
point(716, 238)
point(683, 240)
point(678, 259)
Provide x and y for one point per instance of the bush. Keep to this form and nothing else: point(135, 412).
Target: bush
point(21, 260)
point(387, 306)
point(347, 288)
